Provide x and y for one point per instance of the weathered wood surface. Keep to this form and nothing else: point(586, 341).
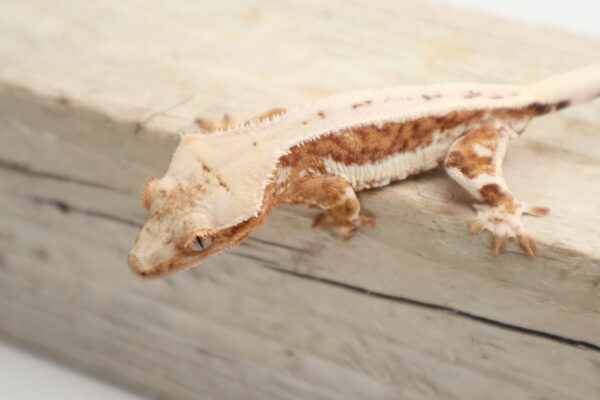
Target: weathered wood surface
point(90, 95)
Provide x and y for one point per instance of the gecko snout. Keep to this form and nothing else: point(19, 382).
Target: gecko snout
point(163, 247)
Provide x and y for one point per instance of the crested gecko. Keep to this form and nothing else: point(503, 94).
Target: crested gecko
point(224, 181)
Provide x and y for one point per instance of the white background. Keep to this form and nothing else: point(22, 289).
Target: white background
point(26, 377)
point(579, 16)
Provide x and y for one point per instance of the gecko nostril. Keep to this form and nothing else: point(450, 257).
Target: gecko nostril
point(137, 266)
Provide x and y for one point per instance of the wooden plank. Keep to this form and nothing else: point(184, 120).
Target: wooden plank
point(412, 309)
point(238, 329)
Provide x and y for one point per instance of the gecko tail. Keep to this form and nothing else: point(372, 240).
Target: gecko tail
point(573, 87)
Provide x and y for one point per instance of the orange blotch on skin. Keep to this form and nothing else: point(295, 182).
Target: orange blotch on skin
point(464, 158)
point(365, 103)
point(495, 196)
point(431, 96)
point(372, 143)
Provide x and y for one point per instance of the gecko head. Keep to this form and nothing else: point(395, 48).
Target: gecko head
point(183, 228)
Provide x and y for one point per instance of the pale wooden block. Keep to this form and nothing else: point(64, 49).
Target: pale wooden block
point(414, 308)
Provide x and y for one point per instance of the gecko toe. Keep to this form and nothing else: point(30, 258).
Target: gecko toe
point(366, 221)
point(208, 126)
point(527, 244)
point(347, 233)
point(205, 125)
point(504, 226)
point(322, 220)
point(346, 229)
point(499, 244)
point(536, 211)
point(475, 226)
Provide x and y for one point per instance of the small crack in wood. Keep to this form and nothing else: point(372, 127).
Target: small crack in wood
point(67, 208)
point(431, 306)
point(274, 266)
point(24, 169)
point(275, 244)
point(161, 113)
point(251, 257)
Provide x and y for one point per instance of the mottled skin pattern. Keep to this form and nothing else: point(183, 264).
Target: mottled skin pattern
point(326, 170)
point(302, 178)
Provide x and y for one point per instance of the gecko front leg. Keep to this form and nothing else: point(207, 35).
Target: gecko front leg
point(335, 195)
point(475, 162)
point(208, 126)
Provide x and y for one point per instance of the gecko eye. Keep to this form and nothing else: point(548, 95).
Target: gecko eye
point(200, 243)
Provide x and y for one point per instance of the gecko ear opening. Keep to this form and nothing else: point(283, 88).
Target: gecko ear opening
point(193, 232)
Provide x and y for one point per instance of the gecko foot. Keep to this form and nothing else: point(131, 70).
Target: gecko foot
point(208, 126)
point(504, 225)
point(346, 228)
point(535, 211)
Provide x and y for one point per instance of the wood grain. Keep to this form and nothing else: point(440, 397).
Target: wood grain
point(90, 103)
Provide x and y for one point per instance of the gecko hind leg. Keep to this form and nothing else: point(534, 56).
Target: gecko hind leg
point(208, 126)
point(336, 196)
point(475, 162)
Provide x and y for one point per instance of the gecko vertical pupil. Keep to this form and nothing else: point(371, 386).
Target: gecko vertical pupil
point(200, 243)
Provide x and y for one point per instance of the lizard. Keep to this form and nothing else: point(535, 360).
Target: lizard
point(223, 181)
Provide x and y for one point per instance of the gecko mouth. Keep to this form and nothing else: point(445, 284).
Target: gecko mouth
point(149, 268)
